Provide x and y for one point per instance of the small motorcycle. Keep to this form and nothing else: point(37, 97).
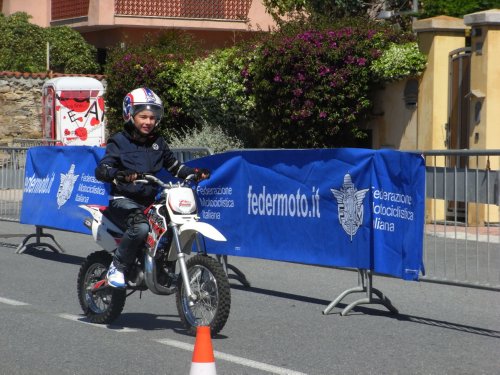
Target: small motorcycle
point(200, 284)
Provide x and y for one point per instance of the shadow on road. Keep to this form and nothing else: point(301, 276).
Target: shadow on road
point(148, 322)
point(373, 312)
point(153, 322)
point(43, 253)
point(449, 325)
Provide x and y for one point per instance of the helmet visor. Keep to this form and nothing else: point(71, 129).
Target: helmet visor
point(157, 110)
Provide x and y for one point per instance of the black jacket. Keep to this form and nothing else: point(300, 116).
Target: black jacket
point(124, 153)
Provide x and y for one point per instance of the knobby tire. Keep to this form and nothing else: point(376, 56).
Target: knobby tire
point(217, 283)
point(93, 269)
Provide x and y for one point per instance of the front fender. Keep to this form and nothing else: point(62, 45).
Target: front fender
point(207, 230)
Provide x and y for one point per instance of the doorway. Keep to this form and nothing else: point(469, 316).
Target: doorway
point(458, 127)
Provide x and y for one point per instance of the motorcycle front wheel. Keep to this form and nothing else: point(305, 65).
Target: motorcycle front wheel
point(210, 284)
point(106, 304)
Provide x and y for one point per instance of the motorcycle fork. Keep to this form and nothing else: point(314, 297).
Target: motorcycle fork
point(182, 265)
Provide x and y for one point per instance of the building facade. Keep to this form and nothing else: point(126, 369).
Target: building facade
point(106, 23)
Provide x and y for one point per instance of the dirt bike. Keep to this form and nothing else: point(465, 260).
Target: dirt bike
point(200, 284)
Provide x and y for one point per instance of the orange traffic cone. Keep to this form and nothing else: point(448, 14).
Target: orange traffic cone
point(203, 356)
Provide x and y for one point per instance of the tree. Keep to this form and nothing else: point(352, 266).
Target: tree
point(155, 63)
point(455, 8)
point(23, 47)
point(69, 52)
point(20, 43)
point(334, 8)
point(212, 92)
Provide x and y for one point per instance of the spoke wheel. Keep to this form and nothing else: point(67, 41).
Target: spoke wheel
point(106, 304)
point(213, 298)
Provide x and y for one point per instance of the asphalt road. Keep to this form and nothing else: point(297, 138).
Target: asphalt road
point(275, 327)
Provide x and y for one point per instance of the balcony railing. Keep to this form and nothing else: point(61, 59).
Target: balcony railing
point(193, 9)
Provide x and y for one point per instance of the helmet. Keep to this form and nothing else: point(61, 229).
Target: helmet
point(139, 100)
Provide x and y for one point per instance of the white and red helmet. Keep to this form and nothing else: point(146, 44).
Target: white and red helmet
point(139, 100)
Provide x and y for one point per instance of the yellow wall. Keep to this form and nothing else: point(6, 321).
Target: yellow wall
point(492, 114)
point(394, 125)
point(485, 76)
point(425, 97)
point(485, 83)
point(436, 42)
point(437, 37)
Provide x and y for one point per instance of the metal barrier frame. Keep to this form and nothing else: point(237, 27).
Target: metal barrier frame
point(463, 251)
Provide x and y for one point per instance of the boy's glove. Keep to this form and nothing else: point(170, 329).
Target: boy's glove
point(126, 176)
point(201, 174)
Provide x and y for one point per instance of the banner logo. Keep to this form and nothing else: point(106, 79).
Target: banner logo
point(66, 186)
point(350, 204)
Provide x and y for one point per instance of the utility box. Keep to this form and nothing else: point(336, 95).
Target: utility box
point(73, 111)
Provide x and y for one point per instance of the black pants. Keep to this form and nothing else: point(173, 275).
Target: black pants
point(131, 213)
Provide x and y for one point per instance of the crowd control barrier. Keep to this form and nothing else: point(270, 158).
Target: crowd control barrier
point(366, 206)
point(12, 161)
point(461, 245)
point(12, 183)
point(462, 242)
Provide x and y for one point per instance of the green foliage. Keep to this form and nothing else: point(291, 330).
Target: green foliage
point(348, 8)
point(156, 63)
point(332, 9)
point(455, 8)
point(212, 91)
point(69, 52)
point(312, 87)
point(307, 85)
point(211, 136)
point(23, 47)
point(399, 61)
point(22, 44)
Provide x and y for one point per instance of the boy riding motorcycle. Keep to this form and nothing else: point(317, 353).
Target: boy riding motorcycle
point(135, 150)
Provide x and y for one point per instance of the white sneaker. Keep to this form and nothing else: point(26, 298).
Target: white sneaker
point(115, 277)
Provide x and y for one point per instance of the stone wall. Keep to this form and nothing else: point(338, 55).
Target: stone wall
point(20, 107)
point(21, 104)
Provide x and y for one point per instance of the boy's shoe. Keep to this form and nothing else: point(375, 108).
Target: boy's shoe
point(115, 277)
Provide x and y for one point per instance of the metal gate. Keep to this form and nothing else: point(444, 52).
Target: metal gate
point(458, 127)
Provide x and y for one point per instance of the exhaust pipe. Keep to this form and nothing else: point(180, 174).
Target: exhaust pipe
point(151, 279)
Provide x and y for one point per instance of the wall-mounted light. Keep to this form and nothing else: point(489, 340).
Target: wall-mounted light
point(478, 96)
point(476, 31)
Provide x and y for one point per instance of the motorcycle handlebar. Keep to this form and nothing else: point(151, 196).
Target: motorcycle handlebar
point(146, 178)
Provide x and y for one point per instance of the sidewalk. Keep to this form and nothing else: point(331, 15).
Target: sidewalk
point(489, 234)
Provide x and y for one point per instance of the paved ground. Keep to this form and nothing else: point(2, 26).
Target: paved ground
point(278, 321)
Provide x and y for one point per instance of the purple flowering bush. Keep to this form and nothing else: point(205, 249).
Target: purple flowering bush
point(312, 86)
point(306, 86)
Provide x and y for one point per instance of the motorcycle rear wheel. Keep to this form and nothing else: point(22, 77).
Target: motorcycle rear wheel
point(105, 305)
point(210, 284)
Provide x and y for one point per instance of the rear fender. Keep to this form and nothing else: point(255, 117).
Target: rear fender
point(102, 228)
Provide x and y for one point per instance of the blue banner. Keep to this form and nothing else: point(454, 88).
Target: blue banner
point(57, 180)
point(335, 207)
